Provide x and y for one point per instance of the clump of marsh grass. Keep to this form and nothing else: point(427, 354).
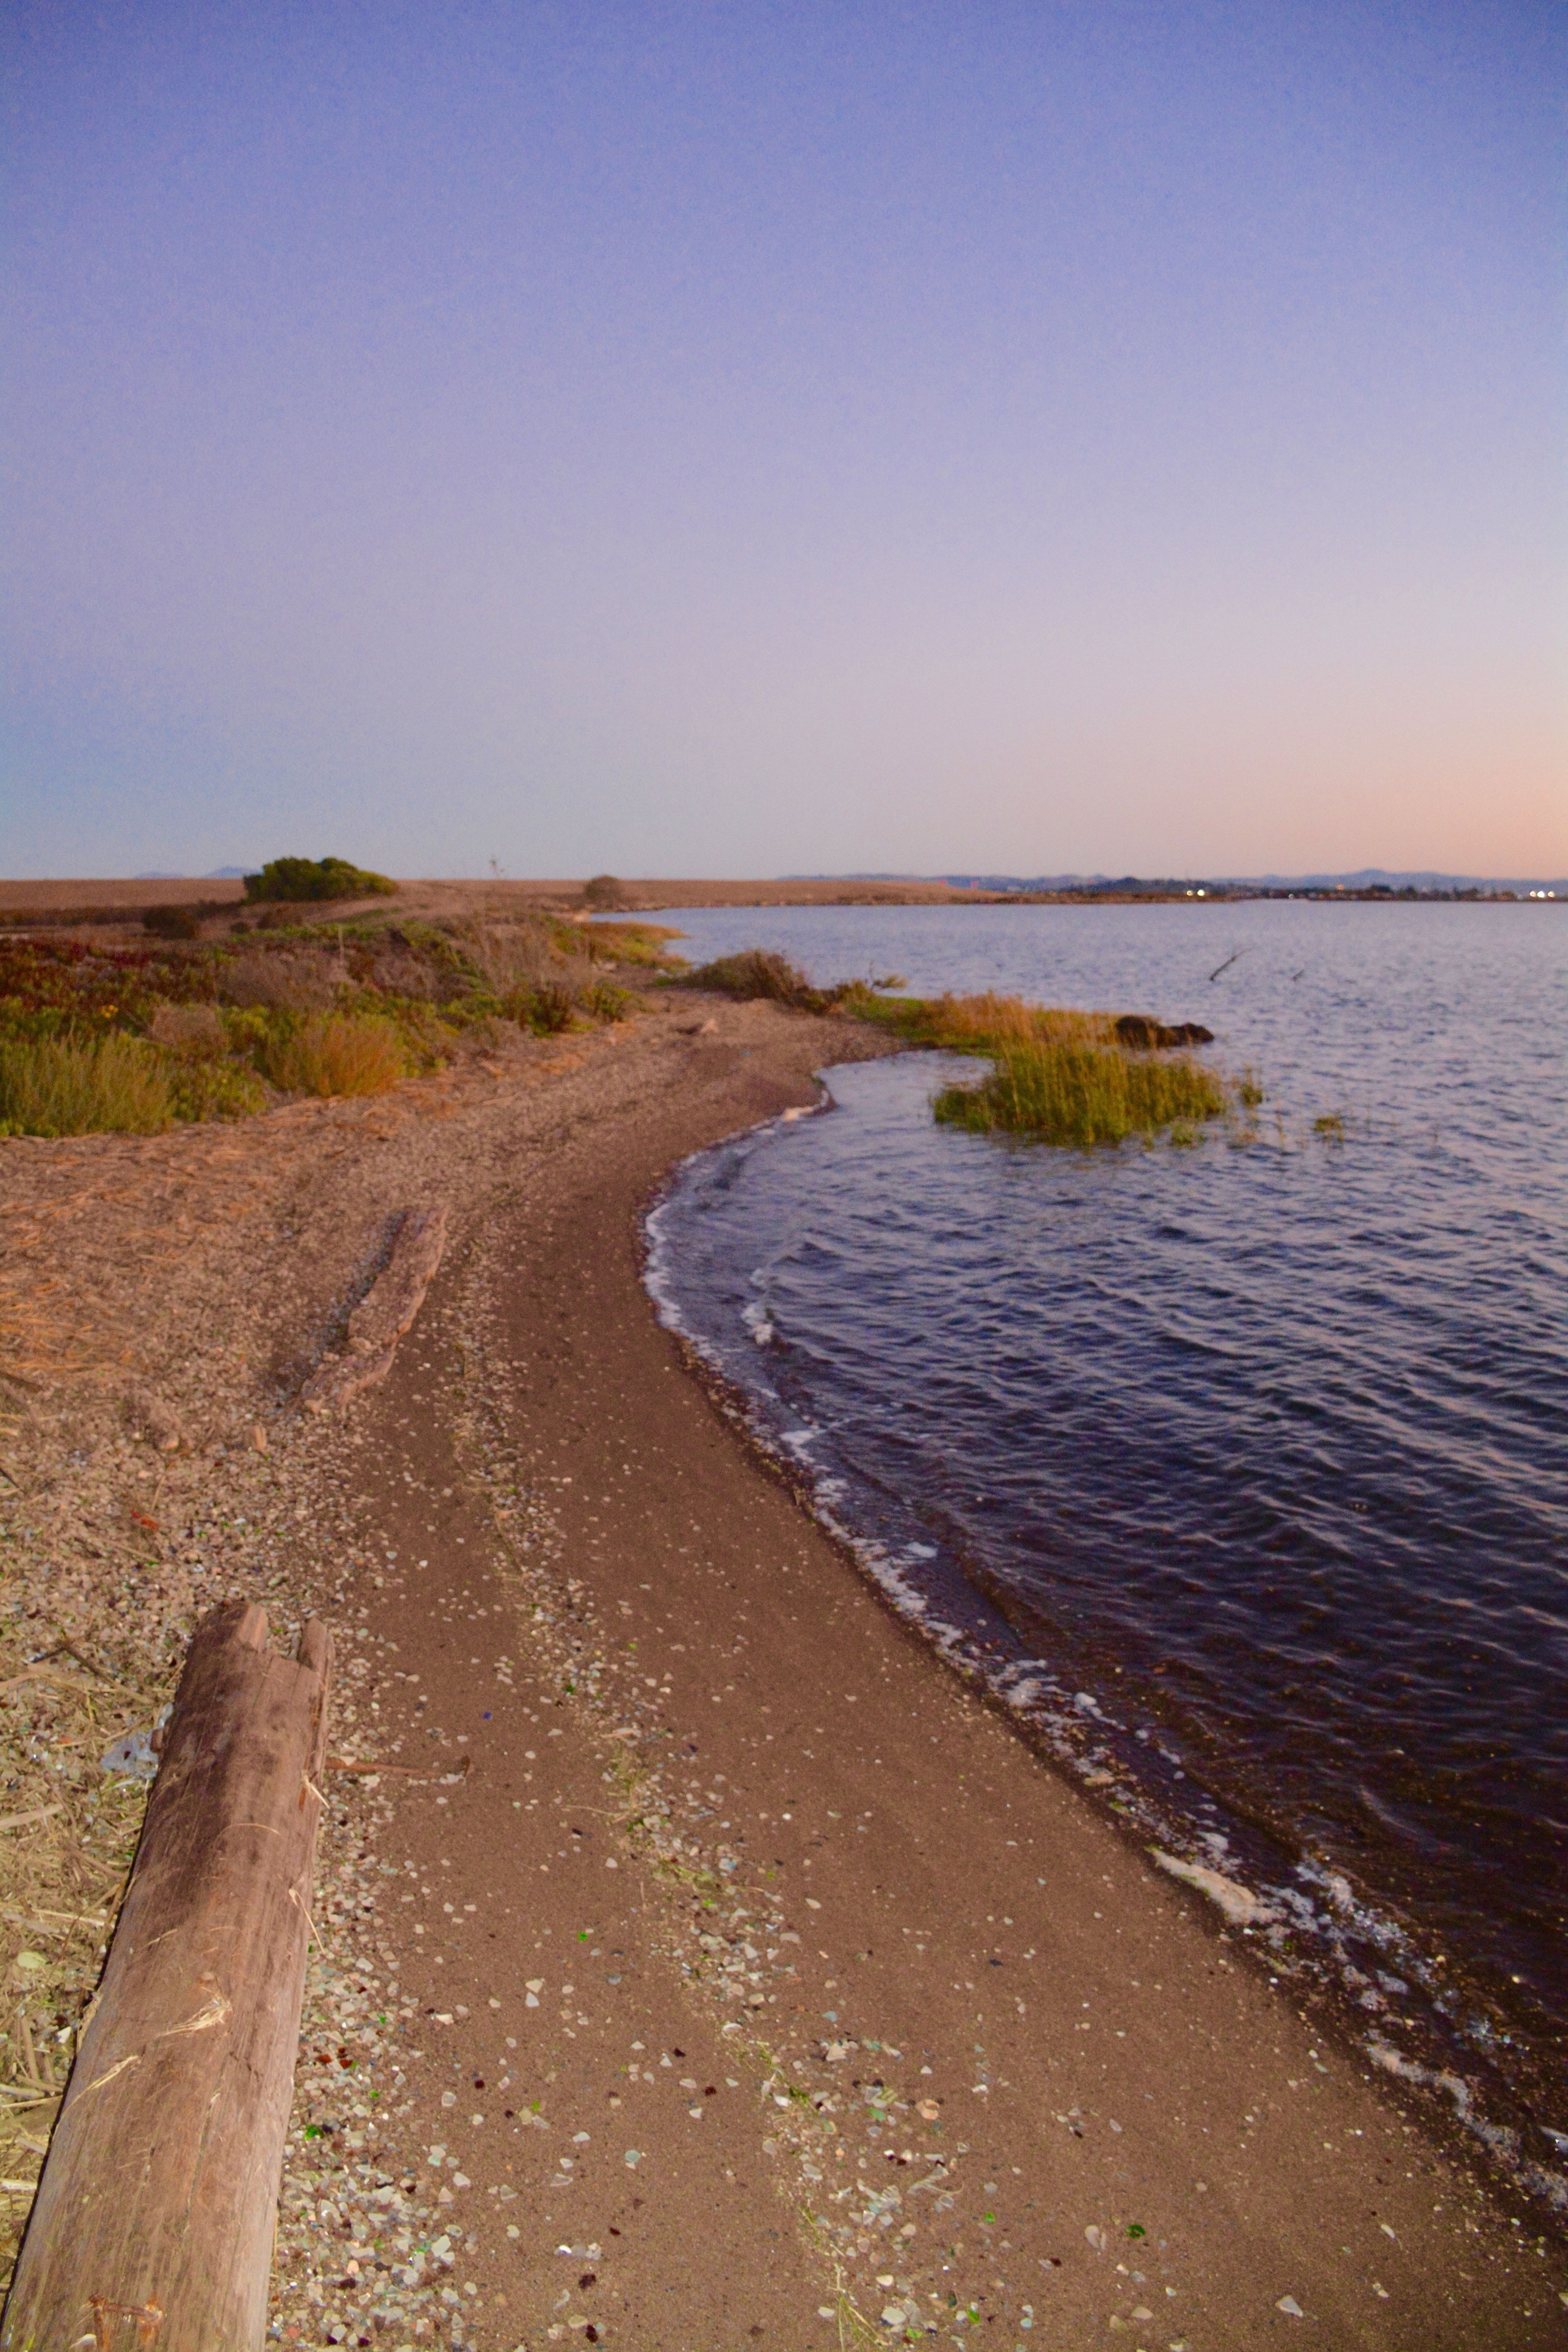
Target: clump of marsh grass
point(51, 1085)
point(336, 1053)
point(1060, 1075)
point(758, 974)
point(631, 943)
point(1064, 1091)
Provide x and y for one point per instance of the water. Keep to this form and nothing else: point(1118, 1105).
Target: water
point(1238, 1471)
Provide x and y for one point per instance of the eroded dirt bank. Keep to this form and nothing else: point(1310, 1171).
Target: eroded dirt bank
point(703, 1965)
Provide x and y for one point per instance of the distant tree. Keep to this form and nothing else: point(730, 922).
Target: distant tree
point(299, 878)
point(604, 893)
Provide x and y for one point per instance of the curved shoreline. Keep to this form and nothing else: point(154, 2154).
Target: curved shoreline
point(1261, 1881)
point(538, 1487)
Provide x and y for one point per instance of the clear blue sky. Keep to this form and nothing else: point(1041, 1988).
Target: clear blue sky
point(756, 439)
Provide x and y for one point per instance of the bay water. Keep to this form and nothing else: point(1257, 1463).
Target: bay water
point(1239, 1471)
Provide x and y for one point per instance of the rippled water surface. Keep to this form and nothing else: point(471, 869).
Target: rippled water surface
point(1261, 1447)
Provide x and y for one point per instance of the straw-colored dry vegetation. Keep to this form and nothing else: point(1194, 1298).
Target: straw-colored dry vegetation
point(98, 1038)
point(337, 1054)
point(982, 1024)
point(758, 974)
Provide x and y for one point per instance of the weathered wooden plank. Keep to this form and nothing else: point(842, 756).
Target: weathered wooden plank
point(153, 2221)
point(382, 1317)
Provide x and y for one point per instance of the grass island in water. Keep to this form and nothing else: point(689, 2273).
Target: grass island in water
point(1057, 1075)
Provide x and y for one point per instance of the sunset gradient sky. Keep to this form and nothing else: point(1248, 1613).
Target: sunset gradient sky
point(741, 439)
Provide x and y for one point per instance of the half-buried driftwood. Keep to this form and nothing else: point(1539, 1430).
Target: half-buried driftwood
point(153, 2220)
point(382, 1317)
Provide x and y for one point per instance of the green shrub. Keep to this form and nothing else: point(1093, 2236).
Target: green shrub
point(1061, 1092)
point(334, 1054)
point(546, 1009)
point(296, 878)
point(172, 923)
point(605, 1002)
point(214, 1089)
point(114, 1085)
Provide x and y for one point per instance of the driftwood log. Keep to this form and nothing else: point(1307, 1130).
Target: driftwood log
point(154, 2218)
point(384, 1315)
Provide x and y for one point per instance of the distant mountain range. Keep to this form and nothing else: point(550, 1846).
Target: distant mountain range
point(1369, 878)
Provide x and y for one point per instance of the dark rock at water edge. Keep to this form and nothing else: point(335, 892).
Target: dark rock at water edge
point(1138, 1029)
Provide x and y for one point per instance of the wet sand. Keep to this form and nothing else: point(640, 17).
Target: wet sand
point(707, 1966)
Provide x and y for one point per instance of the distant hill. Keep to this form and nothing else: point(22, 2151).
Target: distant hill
point(218, 874)
point(1369, 878)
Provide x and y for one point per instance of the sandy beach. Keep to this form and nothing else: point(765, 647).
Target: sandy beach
point(701, 1963)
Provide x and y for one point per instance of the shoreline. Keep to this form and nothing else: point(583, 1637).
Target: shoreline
point(541, 1456)
point(982, 1632)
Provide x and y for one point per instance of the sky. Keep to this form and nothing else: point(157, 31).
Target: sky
point(744, 439)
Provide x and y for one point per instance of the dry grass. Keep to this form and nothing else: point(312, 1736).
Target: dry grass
point(337, 1054)
point(64, 1857)
point(512, 956)
point(992, 1024)
point(193, 1030)
point(977, 1024)
point(49, 1086)
point(758, 974)
point(293, 982)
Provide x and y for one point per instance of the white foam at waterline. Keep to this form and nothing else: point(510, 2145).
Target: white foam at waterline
point(758, 1322)
point(1241, 1906)
point(1060, 1730)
